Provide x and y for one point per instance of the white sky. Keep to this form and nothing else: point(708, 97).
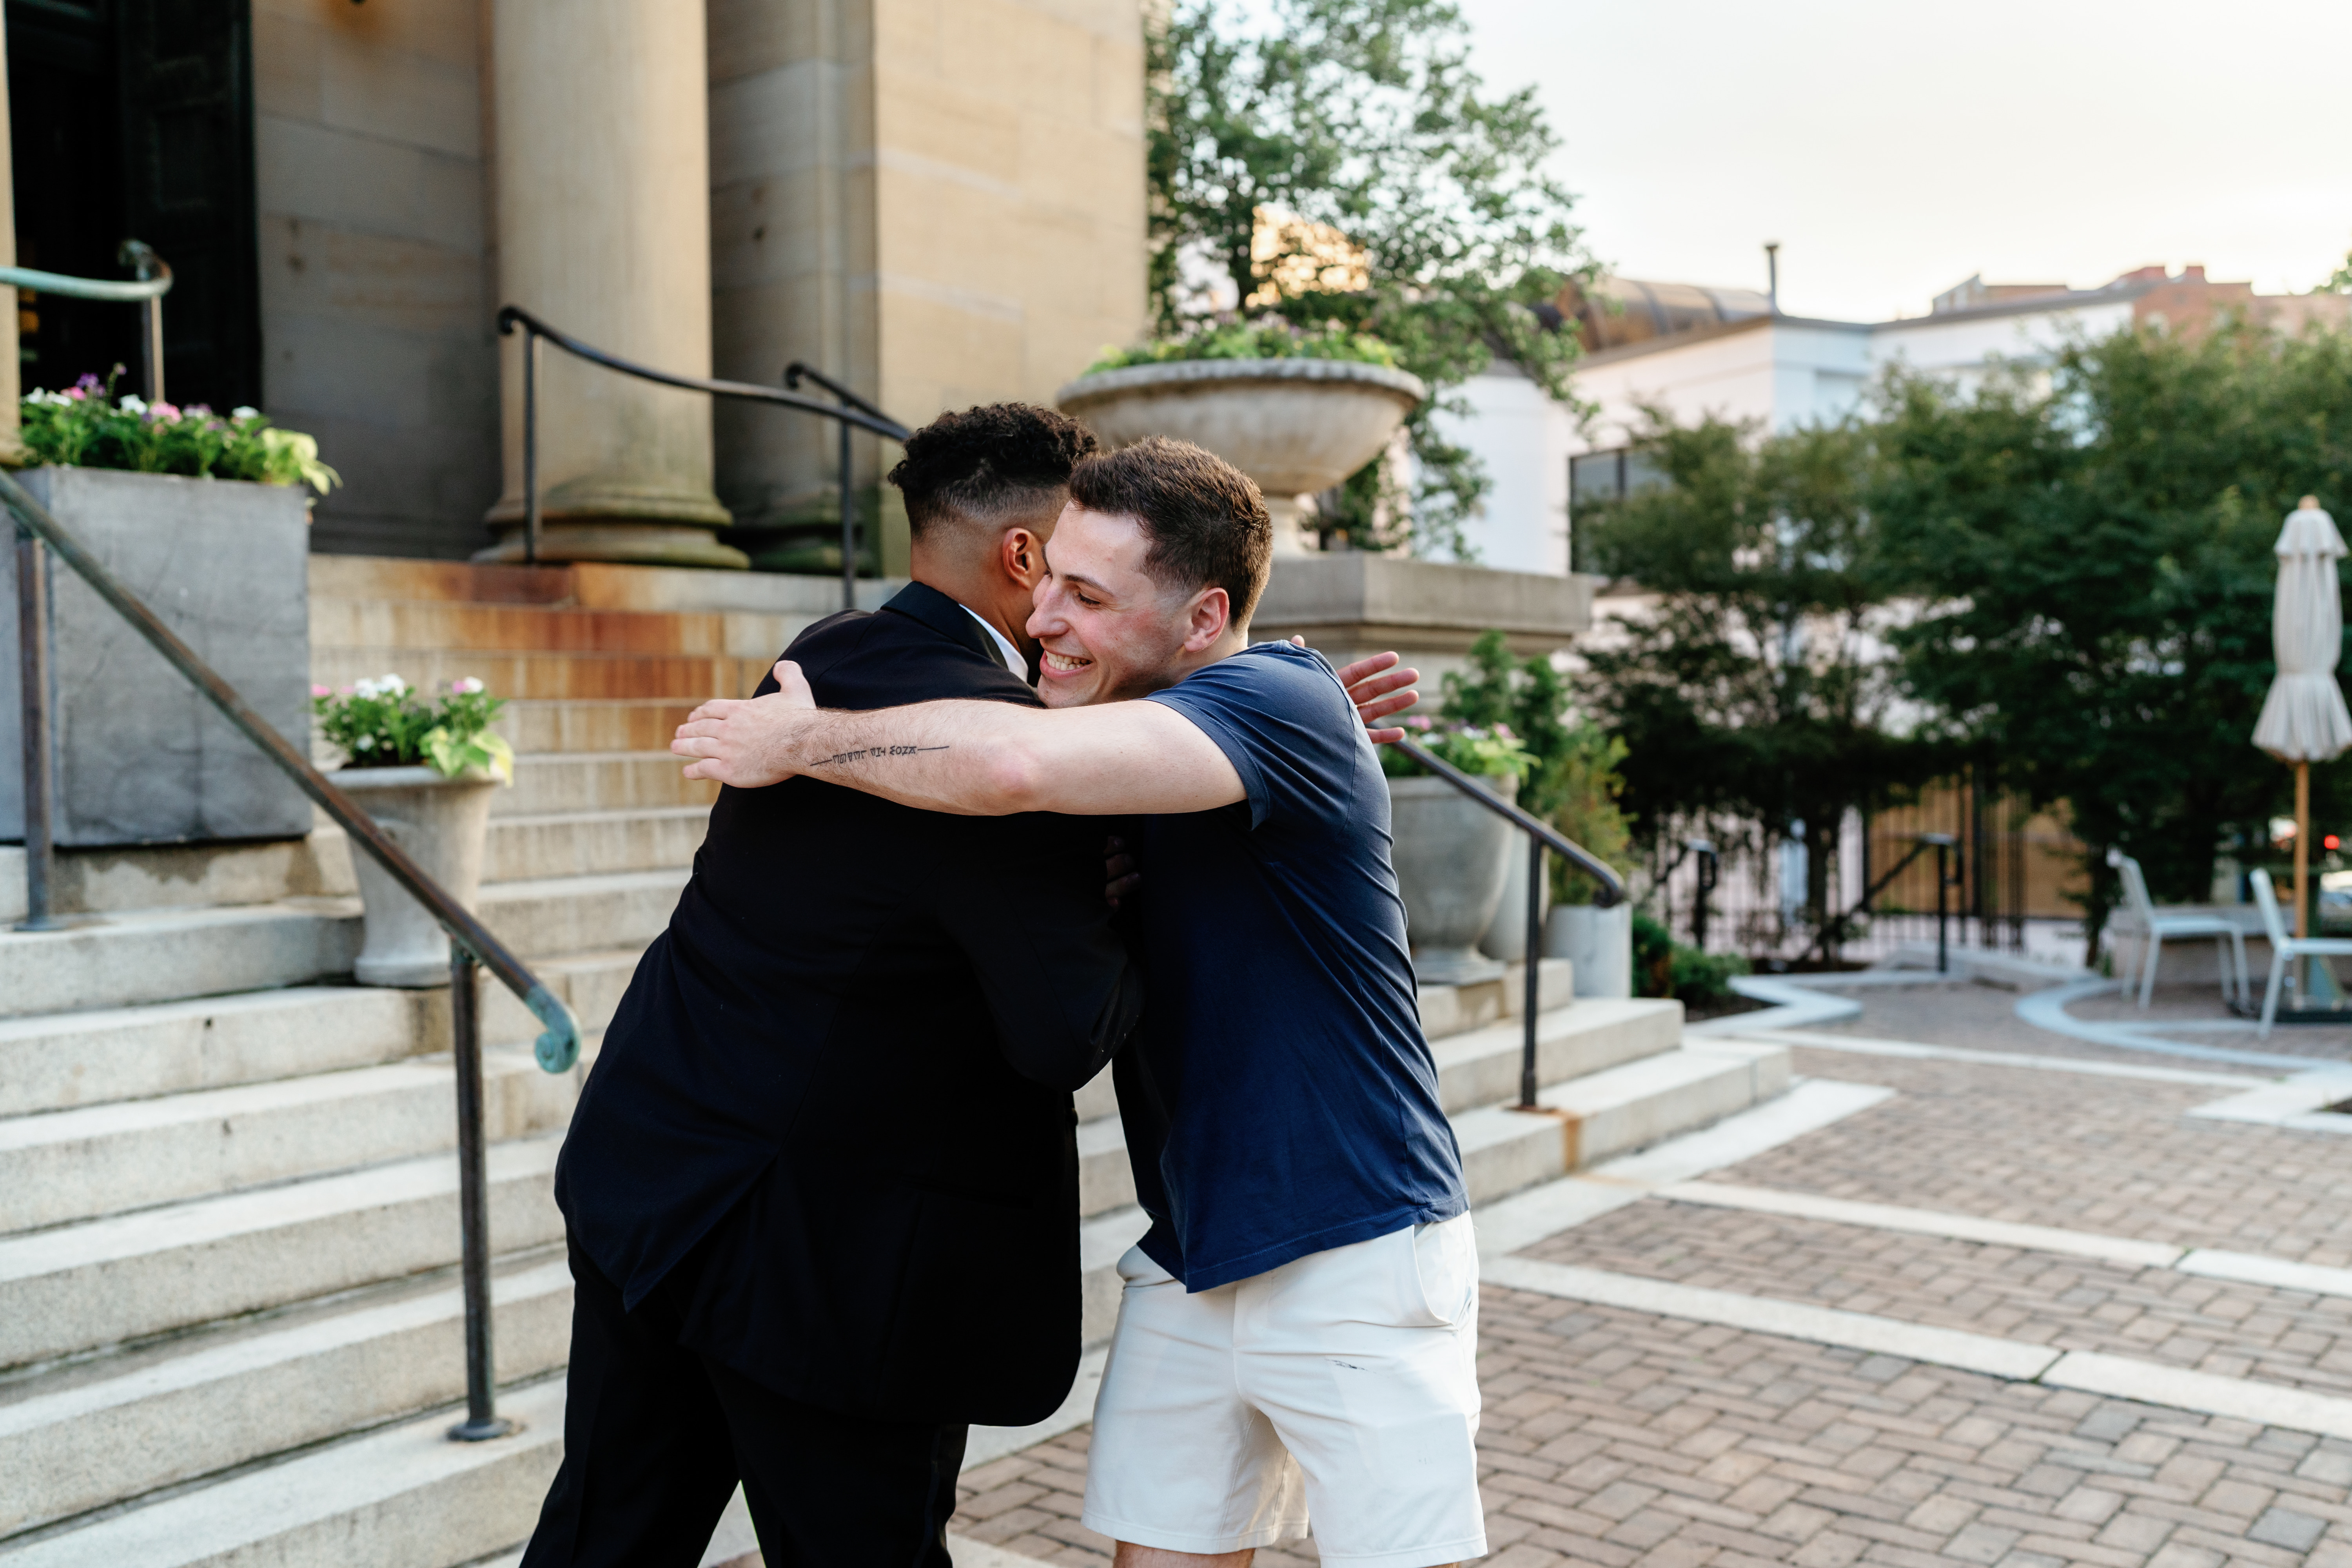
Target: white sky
point(1894, 147)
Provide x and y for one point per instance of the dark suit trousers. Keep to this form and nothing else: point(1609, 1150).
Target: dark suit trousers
point(656, 1437)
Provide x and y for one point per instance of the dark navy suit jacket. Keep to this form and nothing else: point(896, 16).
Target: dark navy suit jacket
point(833, 1109)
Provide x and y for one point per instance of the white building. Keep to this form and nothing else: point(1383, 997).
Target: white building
point(1690, 352)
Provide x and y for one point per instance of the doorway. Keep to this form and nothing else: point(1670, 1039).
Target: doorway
point(133, 119)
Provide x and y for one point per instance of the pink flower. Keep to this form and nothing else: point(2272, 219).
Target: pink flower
point(76, 393)
point(162, 411)
point(1503, 732)
point(318, 690)
point(466, 686)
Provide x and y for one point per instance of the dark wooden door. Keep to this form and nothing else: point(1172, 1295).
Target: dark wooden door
point(186, 73)
point(133, 119)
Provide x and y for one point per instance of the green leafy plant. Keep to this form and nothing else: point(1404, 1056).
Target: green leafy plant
point(384, 723)
point(1492, 750)
point(1665, 967)
point(87, 426)
point(1267, 337)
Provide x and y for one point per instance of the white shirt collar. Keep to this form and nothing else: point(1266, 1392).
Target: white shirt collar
point(1013, 659)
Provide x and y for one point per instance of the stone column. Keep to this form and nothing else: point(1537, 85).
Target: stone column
point(604, 231)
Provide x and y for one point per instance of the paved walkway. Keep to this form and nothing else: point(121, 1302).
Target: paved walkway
point(2009, 1315)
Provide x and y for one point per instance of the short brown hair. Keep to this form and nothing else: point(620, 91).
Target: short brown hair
point(1205, 519)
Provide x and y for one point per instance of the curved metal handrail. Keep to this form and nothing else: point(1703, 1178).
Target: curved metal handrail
point(859, 413)
point(131, 293)
point(1612, 881)
point(558, 1046)
point(1541, 835)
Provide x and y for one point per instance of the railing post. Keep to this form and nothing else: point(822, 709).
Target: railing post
point(33, 679)
point(1942, 851)
point(1704, 875)
point(1533, 960)
point(530, 446)
point(849, 523)
point(482, 1420)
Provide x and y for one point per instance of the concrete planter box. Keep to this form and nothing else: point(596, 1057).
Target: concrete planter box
point(443, 823)
point(140, 758)
point(1295, 425)
point(1452, 858)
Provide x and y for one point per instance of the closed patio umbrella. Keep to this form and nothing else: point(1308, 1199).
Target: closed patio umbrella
point(2304, 719)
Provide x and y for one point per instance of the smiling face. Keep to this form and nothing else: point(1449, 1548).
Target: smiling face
point(1112, 631)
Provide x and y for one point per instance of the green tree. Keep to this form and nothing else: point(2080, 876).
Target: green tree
point(1363, 115)
point(1756, 685)
point(2098, 545)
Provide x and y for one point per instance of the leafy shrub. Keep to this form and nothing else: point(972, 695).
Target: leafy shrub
point(1476, 749)
point(1665, 967)
point(86, 425)
point(1267, 337)
point(383, 723)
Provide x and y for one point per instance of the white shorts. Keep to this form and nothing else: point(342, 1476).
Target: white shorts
point(1342, 1386)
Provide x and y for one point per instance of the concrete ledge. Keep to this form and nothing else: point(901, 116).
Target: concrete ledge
point(1482, 1067)
point(1366, 599)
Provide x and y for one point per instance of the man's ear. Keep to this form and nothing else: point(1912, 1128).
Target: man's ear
point(1211, 612)
point(1021, 554)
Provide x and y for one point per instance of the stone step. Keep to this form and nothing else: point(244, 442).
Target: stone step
point(165, 956)
point(136, 957)
point(1594, 1118)
point(69, 1165)
point(579, 914)
point(404, 1494)
point(419, 625)
point(593, 843)
point(593, 724)
point(104, 1282)
point(57, 1062)
point(70, 1445)
point(600, 780)
point(1481, 1065)
point(588, 584)
point(1105, 1181)
point(693, 677)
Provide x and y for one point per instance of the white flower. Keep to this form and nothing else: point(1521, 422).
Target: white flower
point(241, 414)
point(466, 685)
point(132, 404)
point(364, 744)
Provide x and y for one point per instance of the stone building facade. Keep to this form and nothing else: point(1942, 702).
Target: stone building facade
point(937, 202)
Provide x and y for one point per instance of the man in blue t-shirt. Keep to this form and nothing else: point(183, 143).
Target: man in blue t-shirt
point(1298, 1330)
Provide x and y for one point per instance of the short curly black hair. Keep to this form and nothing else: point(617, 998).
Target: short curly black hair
point(986, 463)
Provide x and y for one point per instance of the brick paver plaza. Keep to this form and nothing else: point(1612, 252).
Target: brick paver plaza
point(1624, 1437)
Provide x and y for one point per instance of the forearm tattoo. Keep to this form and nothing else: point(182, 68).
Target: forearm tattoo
point(866, 752)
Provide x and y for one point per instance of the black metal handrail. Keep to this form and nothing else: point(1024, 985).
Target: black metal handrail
point(154, 280)
point(470, 943)
point(850, 410)
point(1839, 927)
point(1541, 835)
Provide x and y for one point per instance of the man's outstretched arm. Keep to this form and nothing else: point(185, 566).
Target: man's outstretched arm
point(974, 758)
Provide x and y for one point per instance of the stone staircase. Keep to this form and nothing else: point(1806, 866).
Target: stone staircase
point(229, 1316)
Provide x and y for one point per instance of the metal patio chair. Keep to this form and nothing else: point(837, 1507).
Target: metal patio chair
point(2285, 949)
point(2180, 927)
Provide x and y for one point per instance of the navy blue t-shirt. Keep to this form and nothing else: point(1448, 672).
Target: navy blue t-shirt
point(1280, 1098)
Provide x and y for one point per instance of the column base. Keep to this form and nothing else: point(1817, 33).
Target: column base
point(631, 543)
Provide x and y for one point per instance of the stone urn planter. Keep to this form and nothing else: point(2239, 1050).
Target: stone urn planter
point(1598, 944)
point(1506, 939)
point(140, 757)
point(1452, 856)
point(1295, 425)
point(443, 823)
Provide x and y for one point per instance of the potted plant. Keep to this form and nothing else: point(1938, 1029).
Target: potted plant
point(1298, 410)
point(1451, 853)
point(424, 771)
point(206, 517)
